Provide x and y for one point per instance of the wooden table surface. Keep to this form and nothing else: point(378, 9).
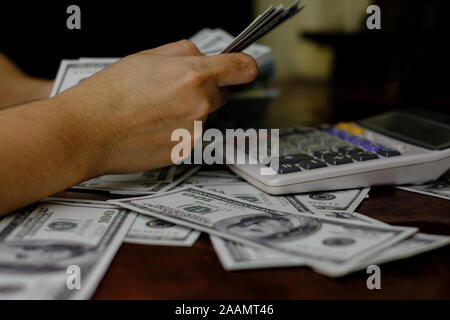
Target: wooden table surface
point(159, 272)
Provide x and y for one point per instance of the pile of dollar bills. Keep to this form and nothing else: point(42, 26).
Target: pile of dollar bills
point(43, 246)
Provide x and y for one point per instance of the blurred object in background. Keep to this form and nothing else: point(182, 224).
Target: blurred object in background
point(418, 67)
point(339, 70)
point(303, 59)
point(304, 67)
point(404, 64)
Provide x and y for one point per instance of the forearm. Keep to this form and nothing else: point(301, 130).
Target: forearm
point(17, 87)
point(44, 148)
point(23, 90)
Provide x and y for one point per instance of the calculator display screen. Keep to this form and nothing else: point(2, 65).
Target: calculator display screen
point(420, 131)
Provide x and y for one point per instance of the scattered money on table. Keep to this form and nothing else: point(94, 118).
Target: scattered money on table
point(182, 173)
point(148, 230)
point(212, 178)
point(330, 246)
point(345, 200)
point(439, 188)
point(39, 243)
point(298, 203)
point(144, 230)
point(237, 256)
point(171, 206)
point(248, 193)
point(136, 183)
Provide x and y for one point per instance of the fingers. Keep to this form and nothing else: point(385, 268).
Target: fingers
point(179, 48)
point(210, 99)
point(231, 68)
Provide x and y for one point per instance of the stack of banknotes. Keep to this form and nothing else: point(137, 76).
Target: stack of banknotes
point(172, 206)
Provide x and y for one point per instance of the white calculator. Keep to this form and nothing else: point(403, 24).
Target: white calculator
point(389, 149)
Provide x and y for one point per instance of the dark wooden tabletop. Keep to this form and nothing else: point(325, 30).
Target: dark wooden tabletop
point(160, 272)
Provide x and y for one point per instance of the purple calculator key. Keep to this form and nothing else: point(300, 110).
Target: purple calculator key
point(365, 142)
point(370, 148)
point(373, 147)
point(352, 138)
point(342, 134)
point(331, 131)
point(338, 133)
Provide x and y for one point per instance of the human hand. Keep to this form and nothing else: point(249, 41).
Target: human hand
point(129, 110)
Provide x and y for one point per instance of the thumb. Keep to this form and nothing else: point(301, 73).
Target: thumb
point(232, 68)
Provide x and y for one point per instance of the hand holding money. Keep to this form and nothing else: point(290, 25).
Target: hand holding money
point(117, 121)
point(144, 97)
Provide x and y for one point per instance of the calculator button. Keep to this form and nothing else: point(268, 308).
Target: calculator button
point(343, 126)
point(348, 150)
point(312, 164)
point(364, 156)
point(338, 160)
point(359, 141)
point(323, 154)
point(388, 153)
point(288, 168)
point(286, 159)
point(313, 147)
point(338, 133)
point(295, 158)
point(342, 134)
point(373, 147)
point(356, 130)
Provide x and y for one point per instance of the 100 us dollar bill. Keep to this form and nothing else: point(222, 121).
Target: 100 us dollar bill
point(342, 200)
point(439, 188)
point(153, 231)
point(236, 256)
point(297, 203)
point(330, 246)
point(38, 245)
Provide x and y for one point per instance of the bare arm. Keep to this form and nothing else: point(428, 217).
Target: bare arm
point(16, 87)
point(41, 152)
point(120, 120)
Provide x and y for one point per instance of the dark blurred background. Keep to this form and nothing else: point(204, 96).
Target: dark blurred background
point(404, 64)
point(34, 33)
point(330, 67)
